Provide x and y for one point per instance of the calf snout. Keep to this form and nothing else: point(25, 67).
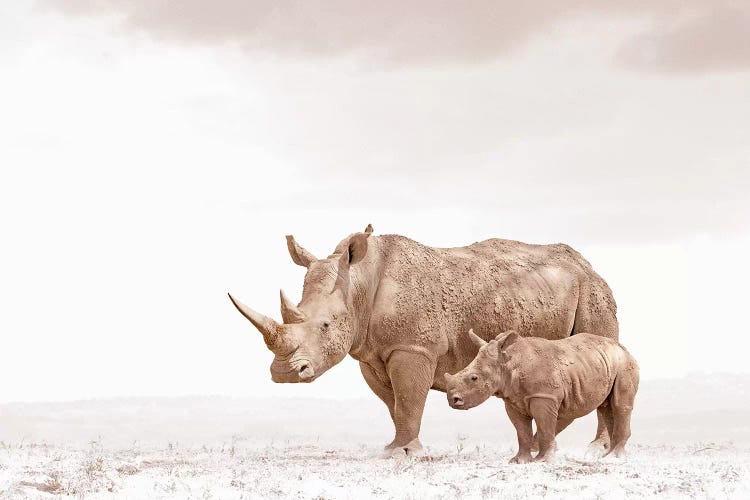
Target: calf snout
point(456, 401)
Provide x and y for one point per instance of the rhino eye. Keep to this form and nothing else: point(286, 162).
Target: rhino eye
point(326, 324)
point(474, 378)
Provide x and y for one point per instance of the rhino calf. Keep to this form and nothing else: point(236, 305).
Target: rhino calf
point(552, 382)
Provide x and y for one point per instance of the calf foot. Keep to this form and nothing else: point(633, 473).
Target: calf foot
point(545, 457)
point(521, 458)
point(616, 452)
point(548, 454)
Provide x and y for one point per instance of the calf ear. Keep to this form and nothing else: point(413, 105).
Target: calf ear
point(358, 247)
point(299, 255)
point(507, 339)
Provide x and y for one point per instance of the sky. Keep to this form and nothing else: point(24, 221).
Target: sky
point(154, 154)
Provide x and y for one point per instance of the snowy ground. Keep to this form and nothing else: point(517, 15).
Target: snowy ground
point(689, 441)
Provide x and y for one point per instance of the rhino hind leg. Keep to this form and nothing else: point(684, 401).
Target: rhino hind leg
point(597, 310)
point(411, 376)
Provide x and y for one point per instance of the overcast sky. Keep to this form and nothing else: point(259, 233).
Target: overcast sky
point(155, 153)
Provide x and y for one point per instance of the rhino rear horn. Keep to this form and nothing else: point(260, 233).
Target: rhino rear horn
point(268, 327)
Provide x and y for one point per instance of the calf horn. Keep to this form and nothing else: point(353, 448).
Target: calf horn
point(265, 325)
point(289, 312)
point(478, 341)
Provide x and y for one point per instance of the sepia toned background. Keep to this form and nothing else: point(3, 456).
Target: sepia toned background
point(154, 155)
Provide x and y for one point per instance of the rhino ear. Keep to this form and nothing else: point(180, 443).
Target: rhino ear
point(299, 255)
point(354, 252)
point(358, 247)
point(369, 229)
point(342, 278)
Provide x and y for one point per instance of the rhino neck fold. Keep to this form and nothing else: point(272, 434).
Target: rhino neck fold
point(365, 282)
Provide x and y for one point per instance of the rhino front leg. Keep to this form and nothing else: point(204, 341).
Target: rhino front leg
point(411, 377)
point(379, 384)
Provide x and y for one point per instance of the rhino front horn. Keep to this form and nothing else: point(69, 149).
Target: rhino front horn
point(289, 312)
point(265, 325)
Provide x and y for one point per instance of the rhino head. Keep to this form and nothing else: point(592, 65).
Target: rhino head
point(482, 377)
point(318, 332)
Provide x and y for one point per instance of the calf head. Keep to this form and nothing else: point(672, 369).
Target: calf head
point(482, 378)
point(318, 332)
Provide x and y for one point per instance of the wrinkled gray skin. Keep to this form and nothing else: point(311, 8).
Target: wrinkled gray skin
point(402, 310)
point(552, 382)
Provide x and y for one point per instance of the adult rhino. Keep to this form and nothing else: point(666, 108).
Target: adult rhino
point(402, 309)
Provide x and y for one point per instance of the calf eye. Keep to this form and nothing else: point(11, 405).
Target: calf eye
point(474, 378)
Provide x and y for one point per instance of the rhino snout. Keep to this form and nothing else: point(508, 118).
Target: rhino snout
point(306, 372)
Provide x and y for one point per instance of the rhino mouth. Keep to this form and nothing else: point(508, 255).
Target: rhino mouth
point(301, 371)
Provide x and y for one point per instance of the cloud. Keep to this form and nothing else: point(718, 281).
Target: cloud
point(426, 32)
point(701, 40)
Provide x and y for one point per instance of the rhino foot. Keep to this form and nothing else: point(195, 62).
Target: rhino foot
point(412, 449)
point(597, 448)
point(601, 442)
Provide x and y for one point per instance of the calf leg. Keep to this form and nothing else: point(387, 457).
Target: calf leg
point(522, 423)
point(562, 423)
point(411, 375)
point(621, 403)
point(544, 411)
point(601, 441)
point(621, 432)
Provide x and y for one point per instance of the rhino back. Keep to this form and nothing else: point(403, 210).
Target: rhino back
point(430, 297)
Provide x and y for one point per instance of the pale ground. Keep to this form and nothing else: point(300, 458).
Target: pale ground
point(691, 438)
